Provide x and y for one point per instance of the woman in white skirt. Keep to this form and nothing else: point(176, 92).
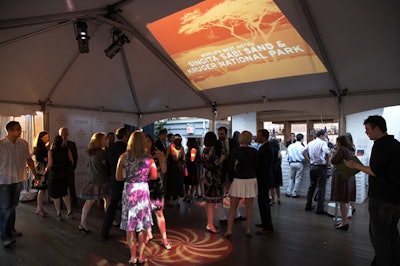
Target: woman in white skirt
point(243, 162)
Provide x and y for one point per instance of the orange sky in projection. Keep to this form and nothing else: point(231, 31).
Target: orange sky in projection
point(166, 30)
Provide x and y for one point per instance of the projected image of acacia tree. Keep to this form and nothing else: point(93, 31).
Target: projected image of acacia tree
point(235, 17)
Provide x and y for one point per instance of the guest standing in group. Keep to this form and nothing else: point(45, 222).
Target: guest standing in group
point(225, 147)
point(383, 191)
point(97, 185)
point(352, 190)
point(296, 159)
point(59, 158)
point(292, 140)
point(14, 156)
point(136, 168)
point(41, 156)
point(244, 164)
point(112, 156)
point(264, 180)
point(342, 187)
point(191, 181)
point(64, 133)
point(213, 192)
point(157, 191)
point(110, 139)
point(276, 171)
point(175, 159)
point(317, 153)
point(161, 142)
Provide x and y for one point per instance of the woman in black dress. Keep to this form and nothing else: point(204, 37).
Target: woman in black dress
point(191, 181)
point(157, 191)
point(59, 159)
point(40, 184)
point(175, 159)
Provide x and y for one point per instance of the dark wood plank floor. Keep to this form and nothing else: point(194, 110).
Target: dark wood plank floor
point(300, 238)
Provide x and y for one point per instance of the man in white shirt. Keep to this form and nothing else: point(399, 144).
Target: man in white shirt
point(14, 156)
point(317, 152)
point(295, 158)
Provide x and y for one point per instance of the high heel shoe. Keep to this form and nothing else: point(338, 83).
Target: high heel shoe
point(42, 214)
point(59, 218)
point(69, 214)
point(142, 261)
point(211, 230)
point(83, 229)
point(166, 245)
point(344, 227)
point(132, 261)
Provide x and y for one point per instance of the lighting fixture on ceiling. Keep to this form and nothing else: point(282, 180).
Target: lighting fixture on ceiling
point(82, 36)
point(119, 39)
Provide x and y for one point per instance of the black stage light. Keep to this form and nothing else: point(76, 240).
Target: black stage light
point(119, 39)
point(82, 36)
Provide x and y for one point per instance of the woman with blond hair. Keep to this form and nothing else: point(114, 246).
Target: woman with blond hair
point(97, 185)
point(243, 163)
point(135, 167)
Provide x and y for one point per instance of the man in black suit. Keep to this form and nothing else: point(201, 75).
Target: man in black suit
point(112, 156)
point(63, 132)
point(161, 142)
point(264, 178)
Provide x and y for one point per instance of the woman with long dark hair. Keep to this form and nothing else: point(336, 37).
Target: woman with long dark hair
point(157, 191)
point(59, 159)
point(343, 189)
point(213, 192)
point(40, 151)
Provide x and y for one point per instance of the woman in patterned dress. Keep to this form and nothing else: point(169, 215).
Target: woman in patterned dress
point(213, 192)
point(343, 190)
point(157, 191)
point(135, 168)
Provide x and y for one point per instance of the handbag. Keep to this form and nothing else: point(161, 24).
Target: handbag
point(346, 172)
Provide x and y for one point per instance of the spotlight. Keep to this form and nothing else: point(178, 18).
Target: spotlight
point(119, 39)
point(82, 37)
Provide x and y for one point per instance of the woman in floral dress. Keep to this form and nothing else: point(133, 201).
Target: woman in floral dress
point(213, 192)
point(136, 168)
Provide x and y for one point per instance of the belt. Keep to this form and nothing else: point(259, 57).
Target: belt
point(295, 162)
point(319, 165)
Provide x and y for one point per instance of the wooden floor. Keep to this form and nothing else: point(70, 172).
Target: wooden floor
point(300, 238)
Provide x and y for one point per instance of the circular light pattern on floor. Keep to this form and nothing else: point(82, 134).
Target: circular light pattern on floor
point(189, 247)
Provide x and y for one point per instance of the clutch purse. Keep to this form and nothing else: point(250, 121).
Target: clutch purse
point(346, 172)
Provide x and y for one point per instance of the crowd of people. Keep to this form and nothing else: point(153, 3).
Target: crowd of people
point(143, 176)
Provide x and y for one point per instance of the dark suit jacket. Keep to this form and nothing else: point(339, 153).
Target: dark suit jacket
point(264, 166)
point(160, 146)
point(113, 154)
point(224, 166)
point(72, 147)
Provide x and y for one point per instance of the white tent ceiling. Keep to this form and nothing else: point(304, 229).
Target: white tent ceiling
point(358, 42)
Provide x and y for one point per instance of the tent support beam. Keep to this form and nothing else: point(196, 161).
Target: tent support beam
point(70, 16)
point(32, 34)
point(125, 25)
point(321, 46)
point(129, 79)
